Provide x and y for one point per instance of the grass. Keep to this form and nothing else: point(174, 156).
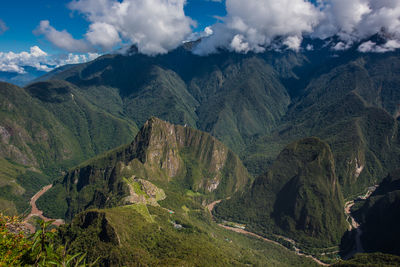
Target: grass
point(200, 242)
point(190, 193)
point(142, 210)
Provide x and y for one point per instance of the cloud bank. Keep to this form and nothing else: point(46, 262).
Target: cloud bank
point(158, 26)
point(40, 60)
point(256, 25)
point(253, 25)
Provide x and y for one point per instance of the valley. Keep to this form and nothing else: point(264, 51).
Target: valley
point(353, 224)
point(210, 208)
point(272, 143)
point(38, 214)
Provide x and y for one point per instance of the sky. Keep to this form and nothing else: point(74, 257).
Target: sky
point(21, 22)
point(46, 33)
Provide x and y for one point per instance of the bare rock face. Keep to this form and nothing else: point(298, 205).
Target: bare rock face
point(167, 147)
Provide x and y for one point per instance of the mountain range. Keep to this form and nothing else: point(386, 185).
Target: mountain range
point(280, 139)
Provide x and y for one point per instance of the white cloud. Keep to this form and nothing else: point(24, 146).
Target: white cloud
point(14, 62)
point(3, 27)
point(269, 24)
point(341, 46)
point(11, 68)
point(103, 34)
point(37, 58)
point(255, 24)
point(369, 46)
point(293, 42)
point(74, 59)
point(239, 45)
point(200, 35)
point(155, 26)
point(158, 26)
point(355, 20)
point(61, 39)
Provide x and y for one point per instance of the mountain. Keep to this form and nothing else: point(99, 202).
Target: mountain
point(165, 154)
point(21, 79)
point(152, 236)
point(143, 203)
point(258, 103)
point(352, 107)
point(378, 216)
point(299, 197)
point(46, 129)
point(314, 126)
point(225, 94)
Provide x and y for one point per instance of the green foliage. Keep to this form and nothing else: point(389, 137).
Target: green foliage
point(370, 260)
point(194, 163)
point(13, 244)
point(40, 249)
point(298, 197)
point(53, 203)
point(17, 185)
point(109, 234)
point(49, 130)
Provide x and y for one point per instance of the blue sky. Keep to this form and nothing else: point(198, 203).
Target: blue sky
point(23, 16)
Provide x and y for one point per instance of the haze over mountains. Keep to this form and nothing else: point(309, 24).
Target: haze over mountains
point(300, 133)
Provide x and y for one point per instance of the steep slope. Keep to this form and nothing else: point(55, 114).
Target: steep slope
point(224, 94)
point(95, 129)
point(379, 216)
point(351, 108)
point(298, 197)
point(153, 236)
point(240, 100)
point(165, 154)
point(44, 133)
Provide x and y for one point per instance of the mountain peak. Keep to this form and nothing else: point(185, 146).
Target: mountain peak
point(161, 153)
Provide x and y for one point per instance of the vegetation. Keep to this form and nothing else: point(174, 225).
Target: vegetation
point(298, 197)
point(161, 153)
point(123, 236)
point(45, 129)
point(40, 249)
point(256, 104)
point(370, 259)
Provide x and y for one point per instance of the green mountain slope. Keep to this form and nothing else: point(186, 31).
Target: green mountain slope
point(348, 107)
point(168, 155)
point(45, 132)
point(95, 129)
point(152, 194)
point(234, 97)
point(242, 100)
point(298, 197)
point(148, 235)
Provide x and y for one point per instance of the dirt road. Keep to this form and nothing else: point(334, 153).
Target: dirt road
point(38, 213)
